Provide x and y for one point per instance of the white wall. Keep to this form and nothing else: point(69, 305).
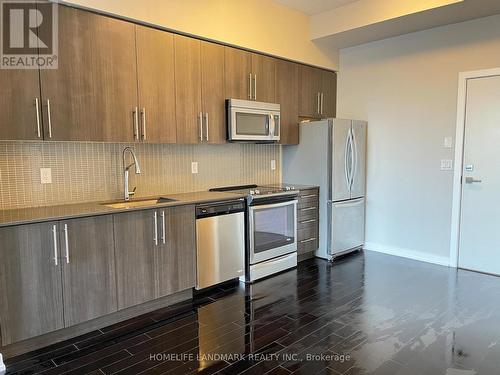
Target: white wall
point(406, 87)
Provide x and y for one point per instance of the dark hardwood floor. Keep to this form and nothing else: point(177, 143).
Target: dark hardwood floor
point(367, 314)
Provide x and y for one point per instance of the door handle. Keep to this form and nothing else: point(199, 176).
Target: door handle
point(255, 87)
point(317, 104)
point(143, 115)
point(135, 113)
point(67, 242)
point(49, 118)
point(163, 233)
point(54, 234)
point(37, 109)
point(200, 119)
point(471, 180)
point(155, 231)
point(206, 124)
point(250, 86)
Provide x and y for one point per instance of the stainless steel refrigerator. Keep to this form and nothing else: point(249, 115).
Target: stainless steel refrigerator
point(332, 155)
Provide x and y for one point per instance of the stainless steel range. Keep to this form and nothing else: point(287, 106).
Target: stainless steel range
point(271, 228)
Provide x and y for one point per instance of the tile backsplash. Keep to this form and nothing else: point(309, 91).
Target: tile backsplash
point(86, 172)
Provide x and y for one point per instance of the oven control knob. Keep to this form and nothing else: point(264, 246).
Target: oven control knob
point(288, 188)
point(252, 192)
point(257, 192)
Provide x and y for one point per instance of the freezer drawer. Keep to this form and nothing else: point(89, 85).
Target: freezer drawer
point(347, 225)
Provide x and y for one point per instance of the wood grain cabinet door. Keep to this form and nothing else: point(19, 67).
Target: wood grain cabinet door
point(88, 264)
point(156, 85)
point(92, 94)
point(238, 70)
point(329, 90)
point(31, 301)
point(134, 234)
point(213, 93)
point(309, 91)
point(188, 89)
point(176, 260)
point(264, 72)
point(287, 95)
point(18, 105)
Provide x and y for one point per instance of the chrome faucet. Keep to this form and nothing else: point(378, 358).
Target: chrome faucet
point(126, 169)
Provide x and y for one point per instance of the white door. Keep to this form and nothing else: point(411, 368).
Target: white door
point(480, 220)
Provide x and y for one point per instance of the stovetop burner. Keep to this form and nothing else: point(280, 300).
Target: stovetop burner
point(259, 191)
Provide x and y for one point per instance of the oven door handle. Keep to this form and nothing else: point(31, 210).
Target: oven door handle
point(273, 205)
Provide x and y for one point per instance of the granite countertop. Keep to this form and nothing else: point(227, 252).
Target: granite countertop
point(69, 211)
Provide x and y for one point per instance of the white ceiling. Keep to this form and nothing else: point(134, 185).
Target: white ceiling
point(312, 7)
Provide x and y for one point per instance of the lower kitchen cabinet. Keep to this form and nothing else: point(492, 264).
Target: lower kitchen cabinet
point(308, 221)
point(135, 257)
point(176, 263)
point(88, 266)
point(31, 298)
point(155, 253)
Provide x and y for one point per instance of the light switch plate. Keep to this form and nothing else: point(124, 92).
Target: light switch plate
point(273, 165)
point(446, 165)
point(46, 175)
point(194, 167)
point(448, 142)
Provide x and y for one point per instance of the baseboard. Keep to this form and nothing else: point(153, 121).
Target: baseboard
point(408, 253)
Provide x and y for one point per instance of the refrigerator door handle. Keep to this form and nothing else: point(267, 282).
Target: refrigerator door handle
point(354, 159)
point(346, 163)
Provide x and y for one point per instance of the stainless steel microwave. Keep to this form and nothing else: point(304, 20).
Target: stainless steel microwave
point(251, 121)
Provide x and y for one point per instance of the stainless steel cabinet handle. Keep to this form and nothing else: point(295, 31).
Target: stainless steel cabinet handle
point(321, 107)
point(155, 231)
point(37, 109)
point(49, 118)
point(308, 240)
point(200, 119)
point(206, 123)
point(67, 242)
point(255, 86)
point(317, 103)
point(307, 221)
point(471, 180)
point(143, 115)
point(136, 123)
point(250, 86)
point(308, 196)
point(308, 209)
point(163, 233)
point(56, 255)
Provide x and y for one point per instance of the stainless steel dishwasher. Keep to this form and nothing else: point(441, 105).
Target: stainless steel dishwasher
point(220, 242)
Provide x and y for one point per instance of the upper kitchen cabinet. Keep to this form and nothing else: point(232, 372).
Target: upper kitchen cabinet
point(188, 90)
point(20, 105)
point(329, 94)
point(155, 121)
point(287, 95)
point(318, 95)
point(213, 92)
point(238, 74)
point(310, 86)
point(263, 76)
point(93, 93)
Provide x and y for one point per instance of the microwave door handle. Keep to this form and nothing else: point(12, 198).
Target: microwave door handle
point(271, 126)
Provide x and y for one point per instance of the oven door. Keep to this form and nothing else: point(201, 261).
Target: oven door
point(272, 230)
point(247, 124)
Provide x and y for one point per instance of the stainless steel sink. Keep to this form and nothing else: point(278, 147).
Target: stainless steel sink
point(138, 203)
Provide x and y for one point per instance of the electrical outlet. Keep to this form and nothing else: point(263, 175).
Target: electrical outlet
point(273, 165)
point(46, 175)
point(194, 167)
point(448, 142)
point(446, 165)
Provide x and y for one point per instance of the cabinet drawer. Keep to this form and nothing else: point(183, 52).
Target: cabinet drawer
point(307, 233)
point(309, 193)
point(308, 245)
point(306, 213)
point(308, 222)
